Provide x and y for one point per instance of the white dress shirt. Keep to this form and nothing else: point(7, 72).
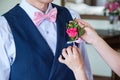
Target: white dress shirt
point(46, 28)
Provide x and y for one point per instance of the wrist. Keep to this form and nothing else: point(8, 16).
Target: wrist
point(80, 74)
point(96, 41)
point(78, 68)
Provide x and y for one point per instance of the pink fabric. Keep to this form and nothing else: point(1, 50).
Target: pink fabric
point(39, 17)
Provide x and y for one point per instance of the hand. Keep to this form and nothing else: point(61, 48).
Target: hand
point(90, 35)
point(72, 58)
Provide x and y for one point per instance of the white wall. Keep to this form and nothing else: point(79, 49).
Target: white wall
point(5, 5)
point(98, 66)
point(57, 2)
point(101, 24)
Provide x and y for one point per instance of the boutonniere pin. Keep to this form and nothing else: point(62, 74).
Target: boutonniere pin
point(74, 31)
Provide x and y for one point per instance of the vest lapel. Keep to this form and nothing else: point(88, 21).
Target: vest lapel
point(62, 39)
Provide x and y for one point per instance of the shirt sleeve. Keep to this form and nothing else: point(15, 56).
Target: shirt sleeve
point(83, 50)
point(74, 14)
point(7, 49)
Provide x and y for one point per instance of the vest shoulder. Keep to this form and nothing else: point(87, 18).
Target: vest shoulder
point(16, 9)
point(60, 7)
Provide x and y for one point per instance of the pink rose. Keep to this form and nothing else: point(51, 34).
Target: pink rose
point(72, 32)
point(111, 6)
point(115, 6)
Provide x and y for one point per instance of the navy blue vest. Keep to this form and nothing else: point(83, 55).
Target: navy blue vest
point(34, 58)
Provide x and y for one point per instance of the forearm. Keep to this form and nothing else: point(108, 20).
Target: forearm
point(108, 54)
point(80, 74)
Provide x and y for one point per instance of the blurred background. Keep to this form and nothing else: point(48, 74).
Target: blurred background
point(91, 11)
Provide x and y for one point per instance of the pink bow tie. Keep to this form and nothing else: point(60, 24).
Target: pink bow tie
point(39, 17)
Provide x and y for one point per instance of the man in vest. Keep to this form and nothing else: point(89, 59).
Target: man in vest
point(32, 36)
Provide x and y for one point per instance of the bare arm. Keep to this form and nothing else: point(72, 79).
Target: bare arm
point(111, 57)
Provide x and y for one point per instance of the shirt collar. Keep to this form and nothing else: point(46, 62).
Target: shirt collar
point(29, 9)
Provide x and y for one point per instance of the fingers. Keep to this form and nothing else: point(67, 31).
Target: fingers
point(69, 51)
point(64, 53)
point(75, 50)
point(61, 59)
point(83, 24)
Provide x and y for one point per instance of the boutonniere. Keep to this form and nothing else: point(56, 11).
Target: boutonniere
point(74, 31)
